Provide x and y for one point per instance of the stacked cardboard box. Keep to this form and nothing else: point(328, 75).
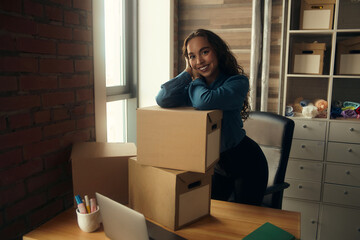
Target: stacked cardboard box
point(170, 180)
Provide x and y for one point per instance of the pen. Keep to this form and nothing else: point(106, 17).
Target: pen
point(87, 204)
point(82, 208)
point(81, 205)
point(78, 199)
point(93, 204)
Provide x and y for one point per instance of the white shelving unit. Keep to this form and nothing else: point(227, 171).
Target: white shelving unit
point(324, 165)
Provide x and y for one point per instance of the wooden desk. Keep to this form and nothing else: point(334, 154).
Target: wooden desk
point(226, 221)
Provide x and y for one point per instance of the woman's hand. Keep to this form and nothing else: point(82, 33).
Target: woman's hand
point(193, 73)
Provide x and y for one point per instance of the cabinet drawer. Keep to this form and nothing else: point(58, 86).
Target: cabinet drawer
point(306, 149)
point(312, 130)
point(344, 132)
point(343, 152)
point(309, 216)
point(343, 174)
point(341, 194)
point(303, 189)
point(339, 223)
point(306, 170)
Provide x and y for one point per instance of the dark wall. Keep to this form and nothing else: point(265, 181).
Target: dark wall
point(46, 104)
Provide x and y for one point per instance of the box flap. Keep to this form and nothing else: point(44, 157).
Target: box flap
point(186, 177)
point(320, 2)
point(184, 110)
point(158, 108)
point(214, 116)
point(192, 177)
point(350, 42)
point(101, 149)
point(310, 46)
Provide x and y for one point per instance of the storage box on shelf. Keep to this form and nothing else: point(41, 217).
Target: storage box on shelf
point(317, 14)
point(308, 58)
point(348, 56)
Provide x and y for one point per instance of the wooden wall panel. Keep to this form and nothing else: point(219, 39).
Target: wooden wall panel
point(275, 60)
point(230, 19)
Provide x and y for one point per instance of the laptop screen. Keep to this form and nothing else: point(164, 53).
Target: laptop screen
point(121, 222)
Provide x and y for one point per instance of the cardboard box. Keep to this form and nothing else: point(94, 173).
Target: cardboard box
point(102, 167)
point(317, 14)
point(308, 58)
point(173, 198)
point(348, 56)
point(178, 138)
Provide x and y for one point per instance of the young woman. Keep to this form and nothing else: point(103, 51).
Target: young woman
point(214, 80)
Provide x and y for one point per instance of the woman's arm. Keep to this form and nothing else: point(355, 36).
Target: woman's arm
point(229, 96)
point(174, 93)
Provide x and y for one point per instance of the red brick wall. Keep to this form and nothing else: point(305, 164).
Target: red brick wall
point(46, 104)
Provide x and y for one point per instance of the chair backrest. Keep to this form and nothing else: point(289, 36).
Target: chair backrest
point(274, 134)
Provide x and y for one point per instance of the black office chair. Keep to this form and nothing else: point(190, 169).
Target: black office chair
point(274, 135)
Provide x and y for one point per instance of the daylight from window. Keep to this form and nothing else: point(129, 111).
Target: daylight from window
point(116, 112)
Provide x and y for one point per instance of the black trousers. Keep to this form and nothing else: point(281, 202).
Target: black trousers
point(241, 173)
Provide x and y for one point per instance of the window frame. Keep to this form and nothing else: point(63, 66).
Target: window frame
point(126, 92)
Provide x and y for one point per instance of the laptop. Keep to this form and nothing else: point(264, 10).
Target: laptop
point(123, 223)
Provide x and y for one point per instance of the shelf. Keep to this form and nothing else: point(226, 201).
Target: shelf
point(317, 32)
point(299, 116)
point(293, 75)
point(344, 119)
point(347, 76)
point(348, 30)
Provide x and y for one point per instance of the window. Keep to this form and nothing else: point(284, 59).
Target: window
point(115, 68)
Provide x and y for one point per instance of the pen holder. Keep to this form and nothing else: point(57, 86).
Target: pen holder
point(88, 222)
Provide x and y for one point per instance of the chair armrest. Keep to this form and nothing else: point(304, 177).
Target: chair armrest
point(276, 188)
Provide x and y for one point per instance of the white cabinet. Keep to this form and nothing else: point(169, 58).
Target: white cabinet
point(309, 216)
point(307, 149)
point(324, 165)
point(339, 223)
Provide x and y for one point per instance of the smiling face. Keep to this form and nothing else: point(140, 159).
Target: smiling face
point(203, 59)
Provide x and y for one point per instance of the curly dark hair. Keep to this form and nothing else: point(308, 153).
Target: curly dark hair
point(226, 59)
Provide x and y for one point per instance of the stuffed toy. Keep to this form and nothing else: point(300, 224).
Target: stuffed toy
point(310, 111)
point(304, 102)
point(321, 105)
point(337, 104)
point(297, 106)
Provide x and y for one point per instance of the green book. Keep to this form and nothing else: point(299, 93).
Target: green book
point(268, 231)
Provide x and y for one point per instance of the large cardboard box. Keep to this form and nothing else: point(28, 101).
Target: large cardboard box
point(173, 198)
point(102, 167)
point(317, 14)
point(308, 58)
point(348, 56)
point(178, 138)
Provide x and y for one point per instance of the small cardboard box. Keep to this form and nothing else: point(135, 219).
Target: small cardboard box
point(178, 138)
point(102, 167)
point(173, 198)
point(308, 58)
point(348, 56)
point(317, 14)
